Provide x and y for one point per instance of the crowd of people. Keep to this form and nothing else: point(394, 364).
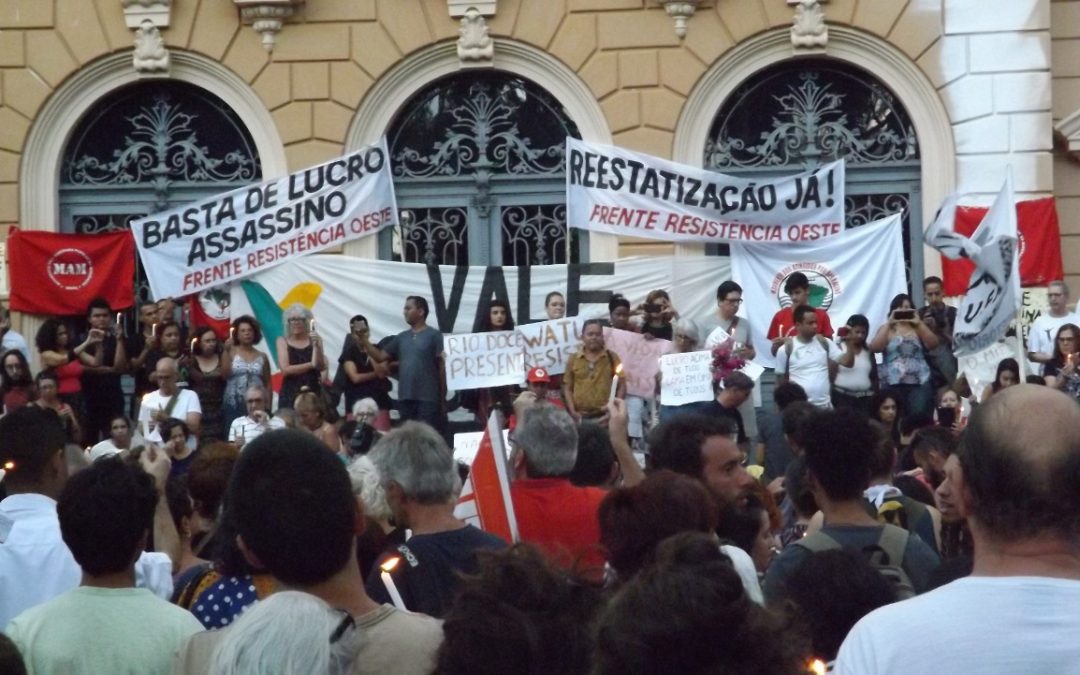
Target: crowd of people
point(874, 516)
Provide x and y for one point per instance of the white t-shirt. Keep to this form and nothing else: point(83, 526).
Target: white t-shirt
point(744, 567)
point(857, 377)
point(809, 367)
point(248, 429)
point(984, 625)
point(1044, 331)
point(187, 401)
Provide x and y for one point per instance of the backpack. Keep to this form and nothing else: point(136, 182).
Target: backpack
point(903, 514)
point(789, 346)
point(886, 556)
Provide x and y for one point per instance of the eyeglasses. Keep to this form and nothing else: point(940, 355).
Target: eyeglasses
point(734, 301)
point(296, 319)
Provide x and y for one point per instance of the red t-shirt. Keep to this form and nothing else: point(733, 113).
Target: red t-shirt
point(786, 318)
point(69, 376)
point(560, 518)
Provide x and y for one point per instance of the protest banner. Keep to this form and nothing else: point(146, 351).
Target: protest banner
point(993, 297)
point(336, 287)
point(686, 378)
point(61, 273)
point(236, 234)
point(1033, 303)
point(549, 344)
point(640, 359)
point(858, 272)
point(980, 367)
point(484, 359)
point(625, 193)
point(485, 498)
point(467, 444)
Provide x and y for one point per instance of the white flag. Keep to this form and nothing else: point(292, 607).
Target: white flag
point(993, 295)
point(858, 272)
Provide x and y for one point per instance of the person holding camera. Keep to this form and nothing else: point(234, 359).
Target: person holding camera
point(658, 315)
point(855, 385)
point(904, 340)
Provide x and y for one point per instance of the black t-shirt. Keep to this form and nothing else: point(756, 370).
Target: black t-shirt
point(664, 332)
point(732, 414)
point(376, 389)
point(430, 567)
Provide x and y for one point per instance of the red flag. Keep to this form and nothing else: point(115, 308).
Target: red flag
point(1040, 245)
point(61, 273)
point(210, 309)
point(486, 494)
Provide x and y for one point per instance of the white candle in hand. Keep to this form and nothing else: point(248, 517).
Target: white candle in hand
point(388, 581)
point(614, 384)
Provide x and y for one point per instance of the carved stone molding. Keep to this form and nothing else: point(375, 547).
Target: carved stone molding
point(474, 45)
point(808, 29)
point(138, 11)
point(151, 55)
point(146, 18)
point(459, 8)
point(680, 11)
point(267, 17)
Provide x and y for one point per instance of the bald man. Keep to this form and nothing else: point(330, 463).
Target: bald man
point(167, 401)
point(1018, 485)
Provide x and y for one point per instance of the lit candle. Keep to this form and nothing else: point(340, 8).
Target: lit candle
point(614, 384)
point(8, 466)
point(388, 581)
point(119, 317)
point(232, 333)
point(194, 341)
point(311, 326)
point(817, 667)
point(153, 330)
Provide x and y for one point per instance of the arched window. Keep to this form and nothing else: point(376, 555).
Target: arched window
point(800, 114)
point(478, 163)
point(149, 147)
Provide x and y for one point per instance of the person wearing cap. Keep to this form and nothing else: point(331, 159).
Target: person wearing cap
point(538, 382)
point(783, 326)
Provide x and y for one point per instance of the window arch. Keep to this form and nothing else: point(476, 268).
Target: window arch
point(799, 114)
point(148, 147)
point(478, 169)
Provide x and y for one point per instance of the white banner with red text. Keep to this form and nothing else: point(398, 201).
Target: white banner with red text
point(858, 272)
point(251, 229)
point(617, 191)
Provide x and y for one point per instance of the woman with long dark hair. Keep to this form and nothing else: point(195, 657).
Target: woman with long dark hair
point(242, 365)
point(205, 375)
point(904, 340)
point(15, 381)
point(53, 342)
point(482, 401)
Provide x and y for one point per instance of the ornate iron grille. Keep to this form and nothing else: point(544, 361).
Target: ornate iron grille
point(799, 115)
point(482, 142)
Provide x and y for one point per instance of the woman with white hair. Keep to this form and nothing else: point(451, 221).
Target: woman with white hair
point(288, 633)
point(299, 354)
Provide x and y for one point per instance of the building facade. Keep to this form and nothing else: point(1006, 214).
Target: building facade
point(112, 109)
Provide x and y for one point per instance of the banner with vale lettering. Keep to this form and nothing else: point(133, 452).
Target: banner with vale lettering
point(858, 272)
point(239, 233)
point(993, 294)
point(616, 191)
point(336, 288)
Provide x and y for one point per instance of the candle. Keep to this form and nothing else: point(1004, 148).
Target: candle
point(119, 317)
point(194, 341)
point(388, 581)
point(614, 384)
point(153, 330)
point(817, 667)
point(311, 326)
point(782, 330)
point(232, 333)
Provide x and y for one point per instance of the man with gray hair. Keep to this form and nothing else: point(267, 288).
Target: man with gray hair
point(1045, 328)
point(258, 419)
point(419, 476)
point(551, 512)
point(1016, 486)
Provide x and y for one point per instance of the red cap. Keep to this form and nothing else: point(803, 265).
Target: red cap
point(538, 375)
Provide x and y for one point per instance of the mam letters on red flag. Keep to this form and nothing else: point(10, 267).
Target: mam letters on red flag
point(1040, 245)
point(61, 273)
